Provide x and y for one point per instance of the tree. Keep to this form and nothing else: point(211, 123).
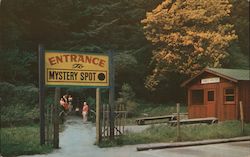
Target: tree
point(188, 36)
point(126, 98)
point(240, 18)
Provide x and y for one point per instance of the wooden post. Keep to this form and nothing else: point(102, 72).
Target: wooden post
point(98, 123)
point(47, 123)
point(41, 92)
point(56, 118)
point(108, 120)
point(111, 94)
point(178, 121)
point(51, 123)
point(242, 117)
point(124, 118)
point(103, 120)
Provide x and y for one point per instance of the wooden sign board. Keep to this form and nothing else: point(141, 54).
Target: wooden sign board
point(76, 69)
point(210, 80)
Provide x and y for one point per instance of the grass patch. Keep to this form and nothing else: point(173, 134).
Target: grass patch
point(166, 133)
point(228, 129)
point(22, 141)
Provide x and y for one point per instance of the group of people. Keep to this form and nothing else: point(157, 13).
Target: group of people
point(66, 102)
point(67, 105)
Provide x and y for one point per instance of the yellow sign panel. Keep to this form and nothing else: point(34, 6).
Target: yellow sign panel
point(65, 68)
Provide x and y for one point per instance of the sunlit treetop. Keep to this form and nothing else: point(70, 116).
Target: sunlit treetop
point(188, 36)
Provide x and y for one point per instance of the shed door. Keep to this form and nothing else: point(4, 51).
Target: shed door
point(210, 101)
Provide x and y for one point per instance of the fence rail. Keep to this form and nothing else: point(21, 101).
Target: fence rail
point(120, 115)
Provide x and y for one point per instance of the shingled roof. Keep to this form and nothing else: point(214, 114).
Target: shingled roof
point(230, 74)
point(237, 74)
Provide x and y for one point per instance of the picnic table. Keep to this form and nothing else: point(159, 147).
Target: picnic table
point(141, 121)
point(208, 120)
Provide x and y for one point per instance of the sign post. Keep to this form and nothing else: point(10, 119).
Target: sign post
point(112, 95)
point(242, 117)
point(98, 126)
point(56, 118)
point(41, 93)
point(178, 121)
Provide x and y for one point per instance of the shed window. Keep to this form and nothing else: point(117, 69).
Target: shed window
point(229, 95)
point(197, 97)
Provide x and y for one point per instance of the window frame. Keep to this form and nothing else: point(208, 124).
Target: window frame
point(191, 96)
point(225, 95)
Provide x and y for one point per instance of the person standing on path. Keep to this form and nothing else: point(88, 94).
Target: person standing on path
point(85, 110)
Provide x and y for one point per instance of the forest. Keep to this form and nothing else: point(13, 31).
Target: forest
point(157, 44)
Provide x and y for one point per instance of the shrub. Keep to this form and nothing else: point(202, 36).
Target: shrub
point(12, 94)
point(127, 98)
point(19, 112)
point(27, 95)
point(6, 91)
point(18, 103)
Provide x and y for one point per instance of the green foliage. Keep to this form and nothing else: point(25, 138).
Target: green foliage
point(26, 95)
point(17, 66)
point(127, 98)
point(91, 101)
point(19, 113)
point(125, 63)
point(22, 141)
point(240, 18)
point(6, 92)
point(12, 94)
point(127, 92)
point(19, 103)
point(237, 59)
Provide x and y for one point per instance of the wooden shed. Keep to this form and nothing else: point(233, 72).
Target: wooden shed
point(217, 92)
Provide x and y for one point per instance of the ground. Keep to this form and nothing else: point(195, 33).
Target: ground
point(77, 140)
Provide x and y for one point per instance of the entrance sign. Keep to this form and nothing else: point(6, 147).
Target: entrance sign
point(60, 68)
point(76, 69)
point(210, 80)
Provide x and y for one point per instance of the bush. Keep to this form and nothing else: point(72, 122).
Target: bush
point(19, 103)
point(26, 94)
point(12, 94)
point(6, 91)
point(127, 98)
point(19, 113)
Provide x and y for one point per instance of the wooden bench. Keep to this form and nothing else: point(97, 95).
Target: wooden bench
point(141, 121)
point(208, 120)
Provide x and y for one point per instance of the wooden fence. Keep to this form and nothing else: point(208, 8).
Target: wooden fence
point(120, 116)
